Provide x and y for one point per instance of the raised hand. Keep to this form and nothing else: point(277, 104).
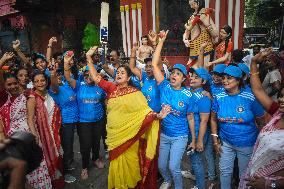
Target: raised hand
point(163, 35)
point(67, 60)
point(166, 62)
point(16, 44)
point(261, 56)
point(52, 66)
point(91, 51)
point(152, 36)
point(7, 56)
point(52, 40)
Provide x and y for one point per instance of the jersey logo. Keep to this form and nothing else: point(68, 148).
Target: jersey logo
point(180, 104)
point(72, 98)
point(148, 98)
point(240, 109)
point(150, 88)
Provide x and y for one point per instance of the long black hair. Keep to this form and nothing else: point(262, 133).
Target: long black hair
point(201, 4)
point(229, 31)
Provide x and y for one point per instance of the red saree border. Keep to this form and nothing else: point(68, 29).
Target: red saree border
point(122, 91)
point(113, 154)
point(148, 167)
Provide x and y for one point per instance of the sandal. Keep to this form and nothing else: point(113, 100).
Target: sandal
point(99, 164)
point(84, 174)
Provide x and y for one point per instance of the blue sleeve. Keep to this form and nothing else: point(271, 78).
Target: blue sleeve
point(191, 104)
point(204, 105)
point(215, 106)
point(143, 76)
point(257, 108)
point(163, 84)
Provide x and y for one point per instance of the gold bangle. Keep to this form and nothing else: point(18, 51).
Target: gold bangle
point(216, 143)
point(256, 73)
point(67, 69)
point(132, 57)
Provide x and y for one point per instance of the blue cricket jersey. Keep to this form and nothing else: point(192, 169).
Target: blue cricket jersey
point(67, 102)
point(90, 102)
point(176, 124)
point(202, 105)
point(151, 92)
point(236, 117)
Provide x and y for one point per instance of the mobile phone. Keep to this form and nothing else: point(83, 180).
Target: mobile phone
point(189, 151)
point(5, 68)
point(69, 53)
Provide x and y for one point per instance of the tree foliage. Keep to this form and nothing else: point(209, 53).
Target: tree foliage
point(265, 13)
point(91, 36)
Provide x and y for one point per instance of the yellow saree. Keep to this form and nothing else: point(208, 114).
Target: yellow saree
point(132, 140)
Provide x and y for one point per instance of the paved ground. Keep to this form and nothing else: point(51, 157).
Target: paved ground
point(98, 177)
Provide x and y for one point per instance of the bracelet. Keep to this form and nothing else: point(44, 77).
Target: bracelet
point(216, 143)
point(49, 46)
point(132, 57)
point(67, 69)
point(256, 73)
point(215, 135)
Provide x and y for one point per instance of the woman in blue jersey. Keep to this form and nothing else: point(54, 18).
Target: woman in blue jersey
point(246, 74)
point(234, 112)
point(216, 84)
point(198, 84)
point(175, 127)
point(90, 100)
point(149, 84)
point(65, 98)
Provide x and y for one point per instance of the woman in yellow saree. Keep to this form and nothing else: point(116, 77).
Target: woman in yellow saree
point(132, 131)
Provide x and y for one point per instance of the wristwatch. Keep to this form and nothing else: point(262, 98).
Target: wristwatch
point(273, 184)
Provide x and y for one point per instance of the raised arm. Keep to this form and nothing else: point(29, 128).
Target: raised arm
point(255, 82)
point(108, 70)
point(200, 60)
point(132, 64)
point(16, 46)
point(67, 73)
point(53, 77)
point(7, 56)
point(49, 48)
point(159, 76)
point(95, 75)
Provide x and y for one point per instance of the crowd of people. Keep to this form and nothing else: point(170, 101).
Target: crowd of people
point(150, 113)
